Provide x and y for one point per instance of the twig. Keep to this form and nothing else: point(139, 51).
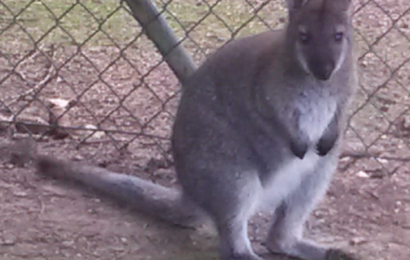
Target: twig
point(50, 74)
point(8, 214)
point(42, 206)
point(122, 254)
point(361, 155)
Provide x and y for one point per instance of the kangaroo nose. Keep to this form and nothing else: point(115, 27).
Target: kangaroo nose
point(325, 71)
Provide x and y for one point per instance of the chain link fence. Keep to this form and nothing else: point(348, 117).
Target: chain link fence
point(85, 72)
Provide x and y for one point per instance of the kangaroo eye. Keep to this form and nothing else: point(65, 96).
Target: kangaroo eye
point(304, 37)
point(339, 37)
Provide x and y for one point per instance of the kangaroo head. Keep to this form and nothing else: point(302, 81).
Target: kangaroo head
point(319, 33)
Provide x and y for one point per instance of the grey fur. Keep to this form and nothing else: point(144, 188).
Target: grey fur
point(259, 124)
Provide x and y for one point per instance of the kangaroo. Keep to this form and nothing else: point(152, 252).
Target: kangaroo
point(259, 124)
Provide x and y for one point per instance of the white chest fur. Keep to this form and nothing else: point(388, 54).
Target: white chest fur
point(315, 114)
point(315, 111)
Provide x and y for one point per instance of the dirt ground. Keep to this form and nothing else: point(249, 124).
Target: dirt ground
point(45, 219)
point(131, 101)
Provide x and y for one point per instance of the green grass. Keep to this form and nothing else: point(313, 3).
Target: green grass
point(65, 22)
point(71, 22)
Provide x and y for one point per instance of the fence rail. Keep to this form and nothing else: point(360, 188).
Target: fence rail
point(85, 71)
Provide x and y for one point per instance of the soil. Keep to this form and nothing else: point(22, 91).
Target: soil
point(45, 219)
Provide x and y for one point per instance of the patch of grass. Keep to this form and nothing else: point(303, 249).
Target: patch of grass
point(211, 25)
point(64, 22)
point(24, 23)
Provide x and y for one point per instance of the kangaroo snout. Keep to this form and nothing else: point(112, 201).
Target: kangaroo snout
point(322, 70)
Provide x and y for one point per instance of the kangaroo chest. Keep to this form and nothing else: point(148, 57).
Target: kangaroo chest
point(314, 115)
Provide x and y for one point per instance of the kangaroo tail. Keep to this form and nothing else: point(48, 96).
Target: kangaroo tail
point(164, 203)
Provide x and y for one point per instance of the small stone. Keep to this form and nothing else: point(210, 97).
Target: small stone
point(384, 161)
point(9, 166)
point(78, 157)
point(357, 241)
point(362, 174)
point(68, 243)
point(8, 241)
point(124, 240)
point(406, 123)
point(20, 194)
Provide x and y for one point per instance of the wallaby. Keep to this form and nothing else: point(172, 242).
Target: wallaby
point(259, 123)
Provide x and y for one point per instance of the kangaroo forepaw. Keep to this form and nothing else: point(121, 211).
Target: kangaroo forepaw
point(324, 146)
point(299, 149)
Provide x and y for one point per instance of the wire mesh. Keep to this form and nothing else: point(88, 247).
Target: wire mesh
point(85, 72)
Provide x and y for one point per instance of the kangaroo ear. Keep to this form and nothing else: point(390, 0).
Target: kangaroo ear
point(296, 4)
